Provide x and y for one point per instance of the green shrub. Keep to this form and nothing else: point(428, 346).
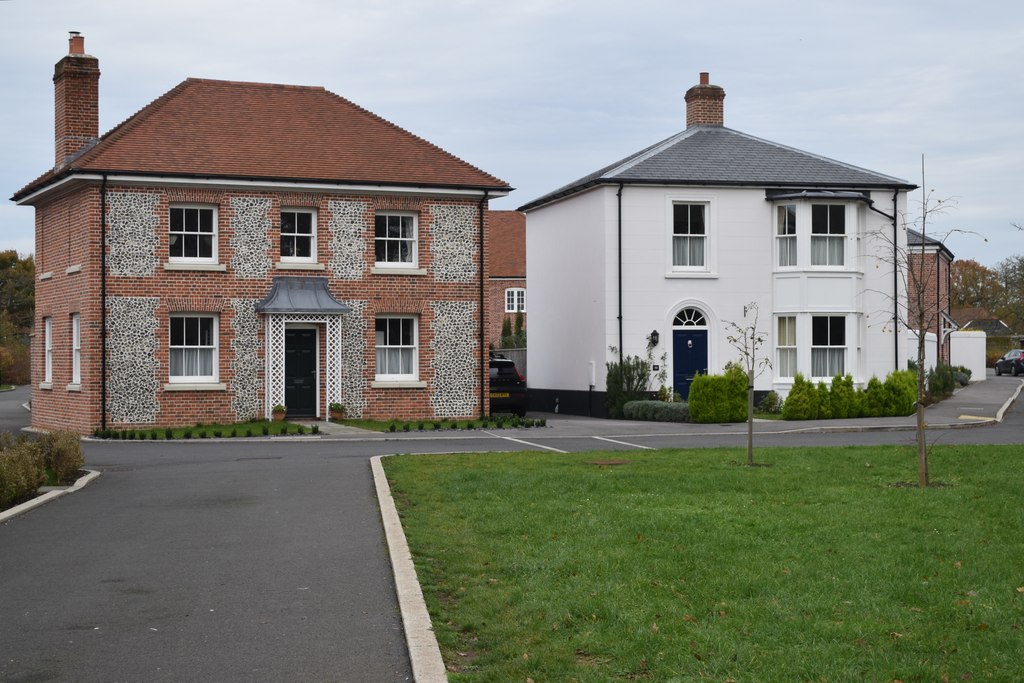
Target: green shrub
point(843, 397)
point(941, 381)
point(62, 453)
point(802, 401)
point(22, 471)
point(901, 392)
point(656, 411)
point(626, 381)
point(874, 398)
point(168, 433)
point(771, 404)
point(719, 398)
point(824, 401)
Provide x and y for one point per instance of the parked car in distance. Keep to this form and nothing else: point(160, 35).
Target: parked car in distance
point(1012, 362)
point(508, 387)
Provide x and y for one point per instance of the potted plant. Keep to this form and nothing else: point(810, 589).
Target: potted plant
point(337, 411)
point(279, 411)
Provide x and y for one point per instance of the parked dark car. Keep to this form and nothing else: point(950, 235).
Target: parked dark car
point(508, 387)
point(1012, 362)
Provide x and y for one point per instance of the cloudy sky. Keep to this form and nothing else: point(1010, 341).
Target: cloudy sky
point(541, 92)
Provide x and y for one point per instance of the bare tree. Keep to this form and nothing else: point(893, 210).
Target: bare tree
point(921, 309)
point(748, 340)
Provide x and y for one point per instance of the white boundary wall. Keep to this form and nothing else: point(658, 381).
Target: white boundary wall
point(968, 349)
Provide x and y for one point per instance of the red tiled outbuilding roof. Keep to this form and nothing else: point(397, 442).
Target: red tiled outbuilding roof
point(228, 129)
point(506, 243)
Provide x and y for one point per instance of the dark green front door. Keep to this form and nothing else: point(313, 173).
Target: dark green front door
point(300, 359)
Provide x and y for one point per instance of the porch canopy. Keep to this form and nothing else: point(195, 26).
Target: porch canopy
point(291, 294)
point(301, 301)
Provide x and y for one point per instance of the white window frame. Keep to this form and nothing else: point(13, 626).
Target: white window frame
point(214, 235)
point(295, 236)
point(786, 346)
point(382, 345)
point(76, 348)
point(829, 238)
point(786, 236)
point(515, 300)
point(704, 237)
point(830, 348)
point(48, 349)
point(213, 347)
point(413, 240)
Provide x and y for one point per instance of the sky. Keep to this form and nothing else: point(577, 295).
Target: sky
point(542, 92)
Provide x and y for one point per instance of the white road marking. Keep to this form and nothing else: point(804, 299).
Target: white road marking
point(623, 443)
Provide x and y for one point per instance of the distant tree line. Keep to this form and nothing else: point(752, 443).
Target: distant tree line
point(17, 309)
point(998, 290)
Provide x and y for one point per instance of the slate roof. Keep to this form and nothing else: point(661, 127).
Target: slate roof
point(914, 239)
point(715, 155)
point(259, 131)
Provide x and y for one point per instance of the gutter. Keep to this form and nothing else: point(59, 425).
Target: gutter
point(619, 196)
point(484, 364)
point(895, 274)
point(103, 303)
point(31, 192)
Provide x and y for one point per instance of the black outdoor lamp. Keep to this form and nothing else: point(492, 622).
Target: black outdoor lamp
point(653, 337)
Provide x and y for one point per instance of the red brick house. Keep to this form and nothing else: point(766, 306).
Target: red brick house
point(929, 274)
point(233, 246)
point(506, 268)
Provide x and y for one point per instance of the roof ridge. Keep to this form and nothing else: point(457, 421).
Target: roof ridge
point(643, 155)
point(259, 84)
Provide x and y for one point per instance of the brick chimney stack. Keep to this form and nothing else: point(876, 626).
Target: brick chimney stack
point(76, 90)
point(704, 104)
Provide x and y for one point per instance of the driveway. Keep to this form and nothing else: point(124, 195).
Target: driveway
point(234, 561)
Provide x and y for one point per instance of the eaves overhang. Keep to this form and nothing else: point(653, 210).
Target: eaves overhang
point(37, 190)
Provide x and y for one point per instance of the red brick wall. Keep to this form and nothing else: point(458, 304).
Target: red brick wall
point(929, 274)
point(68, 233)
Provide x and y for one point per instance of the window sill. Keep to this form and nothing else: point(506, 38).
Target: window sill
point(384, 270)
point(298, 265)
point(48, 386)
point(406, 384)
point(195, 386)
point(695, 275)
point(73, 269)
point(74, 387)
point(214, 267)
point(45, 276)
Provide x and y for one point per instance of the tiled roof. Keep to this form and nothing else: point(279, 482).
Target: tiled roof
point(506, 243)
point(714, 155)
point(916, 239)
point(227, 129)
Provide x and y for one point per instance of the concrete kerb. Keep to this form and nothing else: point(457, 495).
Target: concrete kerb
point(424, 652)
point(49, 496)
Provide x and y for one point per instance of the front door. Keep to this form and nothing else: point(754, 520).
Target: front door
point(689, 357)
point(300, 360)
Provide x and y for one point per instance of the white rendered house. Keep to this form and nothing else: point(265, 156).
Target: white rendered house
point(680, 237)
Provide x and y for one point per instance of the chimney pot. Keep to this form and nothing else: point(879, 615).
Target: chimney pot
point(76, 43)
point(704, 77)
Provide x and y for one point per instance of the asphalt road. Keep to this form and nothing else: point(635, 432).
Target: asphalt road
point(260, 560)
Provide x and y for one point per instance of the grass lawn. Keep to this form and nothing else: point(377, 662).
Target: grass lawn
point(685, 565)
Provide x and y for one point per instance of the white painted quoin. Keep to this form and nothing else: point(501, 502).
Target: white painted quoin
point(678, 239)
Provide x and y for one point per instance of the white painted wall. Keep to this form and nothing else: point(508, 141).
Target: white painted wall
point(968, 349)
point(931, 356)
point(567, 272)
point(572, 270)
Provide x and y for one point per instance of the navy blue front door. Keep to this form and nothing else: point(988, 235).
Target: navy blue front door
point(689, 357)
point(300, 358)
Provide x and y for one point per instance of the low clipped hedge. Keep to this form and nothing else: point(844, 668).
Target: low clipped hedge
point(719, 398)
point(656, 411)
point(896, 396)
point(62, 454)
point(22, 471)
